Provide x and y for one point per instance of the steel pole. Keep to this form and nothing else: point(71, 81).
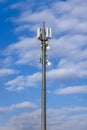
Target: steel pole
point(43, 116)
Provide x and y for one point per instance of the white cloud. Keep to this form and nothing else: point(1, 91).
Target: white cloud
point(7, 71)
point(23, 5)
point(63, 118)
point(66, 17)
point(67, 46)
point(53, 76)
point(22, 105)
point(69, 49)
point(67, 73)
point(7, 61)
point(62, 19)
point(26, 104)
point(72, 90)
point(20, 82)
point(17, 83)
point(26, 51)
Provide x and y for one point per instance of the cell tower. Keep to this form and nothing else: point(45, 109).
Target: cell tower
point(43, 35)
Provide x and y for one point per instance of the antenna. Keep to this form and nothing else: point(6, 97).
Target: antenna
point(39, 32)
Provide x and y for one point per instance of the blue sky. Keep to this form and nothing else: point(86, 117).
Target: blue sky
point(20, 71)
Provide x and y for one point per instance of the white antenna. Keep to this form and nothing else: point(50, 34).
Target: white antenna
point(39, 32)
point(48, 32)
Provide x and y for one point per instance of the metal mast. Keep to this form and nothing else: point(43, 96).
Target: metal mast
point(43, 35)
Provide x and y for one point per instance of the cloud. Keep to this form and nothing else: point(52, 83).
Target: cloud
point(7, 71)
point(72, 56)
point(72, 90)
point(13, 107)
point(67, 17)
point(71, 52)
point(67, 70)
point(68, 55)
point(26, 104)
point(68, 47)
point(63, 118)
point(20, 82)
point(71, 30)
point(53, 76)
point(26, 51)
point(26, 5)
point(7, 62)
